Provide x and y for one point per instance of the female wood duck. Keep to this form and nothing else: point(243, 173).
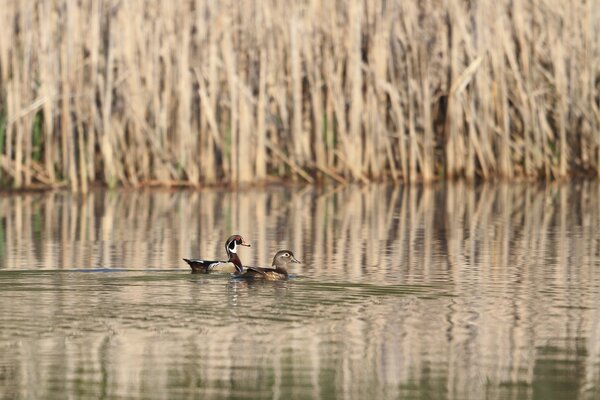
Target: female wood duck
point(278, 271)
point(233, 264)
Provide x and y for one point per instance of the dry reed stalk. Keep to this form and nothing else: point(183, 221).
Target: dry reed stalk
point(501, 102)
point(233, 127)
point(412, 134)
point(427, 167)
point(296, 84)
point(47, 90)
point(355, 145)
point(379, 59)
point(260, 158)
point(320, 120)
point(187, 141)
point(522, 66)
point(560, 81)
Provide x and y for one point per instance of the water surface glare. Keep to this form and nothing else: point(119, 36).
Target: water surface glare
point(448, 291)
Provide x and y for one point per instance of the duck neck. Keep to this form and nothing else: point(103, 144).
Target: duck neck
point(233, 258)
point(281, 270)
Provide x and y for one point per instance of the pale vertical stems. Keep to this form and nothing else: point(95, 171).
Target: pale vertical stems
point(187, 142)
point(27, 95)
point(7, 40)
point(65, 120)
point(396, 92)
point(334, 78)
point(561, 109)
point(64, 111)
point(482, 93)
point(79, 147)
point(47, 89)
point(68, 91)
point(261, 107)
point(354, 69)
point(246, 128)
point(379, 62)
point(400, 132)
point(427, 167)
point(533, 96)
point(451, 113)
point(154, 89)
point(521, 29)
point(295, 64)
point(82, 154)
point(8, 128)
point(412, 134)
point(497, 113)
point(161, 169)
point(464, 51)
point(232, 79)
point(501, 101)
point(203, 149)
point(538, 133)
point(370, 125)
point(210, 165)
point(26, 124)
point(330, 132)
point(106, 148)
point(69, 168)
point(470, 165)
point(484, 123)
point(316, 97)
point(505, 162)
point(314, 64)
point(16, 108)
point(94, 34)
point(281, 95)
point(134, 90)
point(247, 120)
point(593, 11)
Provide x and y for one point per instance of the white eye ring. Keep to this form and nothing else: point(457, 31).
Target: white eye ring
point(286, 255)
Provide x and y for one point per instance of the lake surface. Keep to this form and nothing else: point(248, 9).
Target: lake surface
point(449, 291)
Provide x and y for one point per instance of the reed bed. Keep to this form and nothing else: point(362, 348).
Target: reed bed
point(198, 92)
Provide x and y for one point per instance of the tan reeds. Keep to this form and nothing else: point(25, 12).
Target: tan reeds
point(196, 92)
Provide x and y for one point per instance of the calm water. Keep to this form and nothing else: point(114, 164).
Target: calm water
point(426, 293)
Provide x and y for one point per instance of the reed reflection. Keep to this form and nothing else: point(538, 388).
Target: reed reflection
point(455, 291)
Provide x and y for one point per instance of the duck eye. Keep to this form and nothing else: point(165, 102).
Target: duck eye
point(238, 241)
point(286, 254)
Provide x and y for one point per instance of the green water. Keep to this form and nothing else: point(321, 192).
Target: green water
point(429, 293)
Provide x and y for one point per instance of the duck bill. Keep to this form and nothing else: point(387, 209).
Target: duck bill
point(245, 244)
point(295, 260)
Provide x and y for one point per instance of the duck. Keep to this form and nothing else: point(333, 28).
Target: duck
point(233, 264)
point(278, 270)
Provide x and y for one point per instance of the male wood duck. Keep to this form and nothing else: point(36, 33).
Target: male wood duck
point(233, 264)
point(278, 271)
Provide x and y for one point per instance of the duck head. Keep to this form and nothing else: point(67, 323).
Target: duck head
point(231, 246)
point(233, 242)
point(283, 258)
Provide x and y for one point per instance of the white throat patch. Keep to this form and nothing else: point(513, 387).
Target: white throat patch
point(232, 247)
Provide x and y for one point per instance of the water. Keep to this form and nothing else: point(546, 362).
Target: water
point(423, 293)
